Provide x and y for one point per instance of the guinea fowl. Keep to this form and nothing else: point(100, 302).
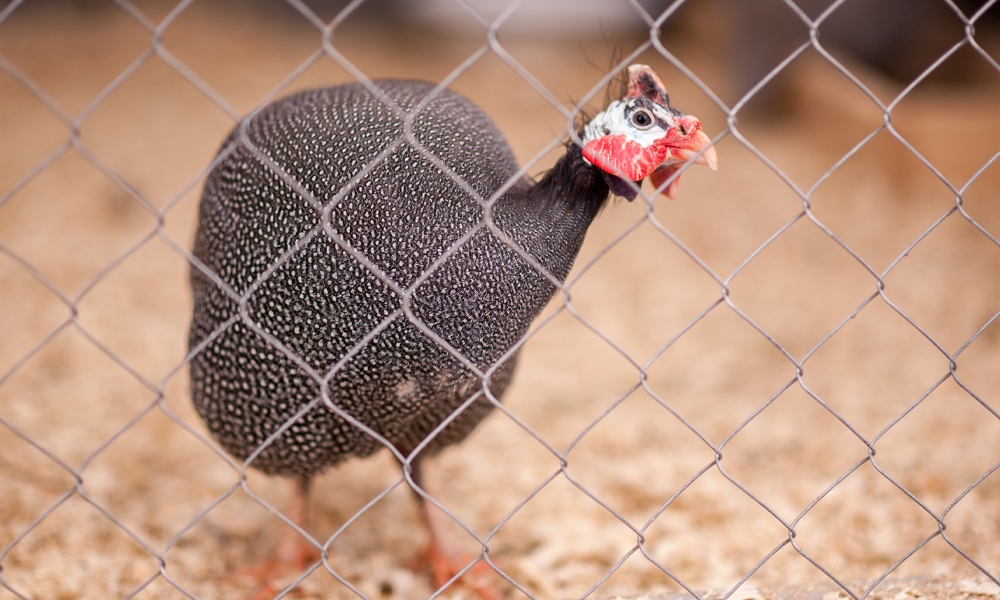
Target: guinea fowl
point(368, 260)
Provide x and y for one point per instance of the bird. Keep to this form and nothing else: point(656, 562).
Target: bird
point(368, 258)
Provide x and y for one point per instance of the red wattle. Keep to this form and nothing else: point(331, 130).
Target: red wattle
point(659, 176)
point(625, 158)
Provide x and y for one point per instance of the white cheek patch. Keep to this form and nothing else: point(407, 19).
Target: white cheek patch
point(613, 122)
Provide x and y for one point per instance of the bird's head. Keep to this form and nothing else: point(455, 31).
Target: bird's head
point(642, 136)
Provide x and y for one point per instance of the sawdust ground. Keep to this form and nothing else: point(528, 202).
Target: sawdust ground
point(108, 486)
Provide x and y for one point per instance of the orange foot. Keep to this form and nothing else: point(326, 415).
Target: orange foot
point(444, 567)
point(293, 556)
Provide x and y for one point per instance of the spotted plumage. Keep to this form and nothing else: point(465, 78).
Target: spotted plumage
point(367, 261)
point(334, 251)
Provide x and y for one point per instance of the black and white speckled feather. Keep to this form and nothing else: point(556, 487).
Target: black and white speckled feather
point(320, 302)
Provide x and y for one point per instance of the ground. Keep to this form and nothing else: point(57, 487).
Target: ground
point(736, 391)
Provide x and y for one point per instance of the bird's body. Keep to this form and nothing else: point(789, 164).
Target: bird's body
point(359, 266)
point(321, 304)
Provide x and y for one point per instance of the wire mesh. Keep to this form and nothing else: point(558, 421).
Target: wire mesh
point(781, 385)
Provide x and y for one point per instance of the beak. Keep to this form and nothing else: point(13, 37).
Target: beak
point(692, 145)
point(699, 150)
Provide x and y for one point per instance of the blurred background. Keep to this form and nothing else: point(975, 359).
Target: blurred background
point(782, 384)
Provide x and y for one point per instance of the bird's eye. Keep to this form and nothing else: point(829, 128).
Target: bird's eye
point(642, 119)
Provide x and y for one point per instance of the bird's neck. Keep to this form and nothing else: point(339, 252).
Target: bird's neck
point(572, 183)
point(572, 190)
point(549, 218)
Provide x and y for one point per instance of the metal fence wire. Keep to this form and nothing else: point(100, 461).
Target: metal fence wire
point(784, 383)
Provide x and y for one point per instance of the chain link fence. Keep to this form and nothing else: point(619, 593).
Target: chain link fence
point(781, 384)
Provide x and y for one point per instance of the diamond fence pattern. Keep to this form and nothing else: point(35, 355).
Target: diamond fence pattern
point(786, 377)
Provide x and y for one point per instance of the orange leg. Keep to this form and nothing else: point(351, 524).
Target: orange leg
point(443, 565)
point(292, 554)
